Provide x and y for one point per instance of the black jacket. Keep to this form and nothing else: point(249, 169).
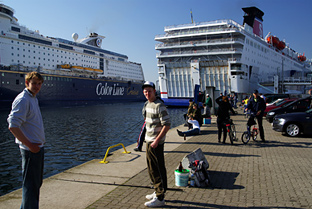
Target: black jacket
point(224, 108)
point(255, 106)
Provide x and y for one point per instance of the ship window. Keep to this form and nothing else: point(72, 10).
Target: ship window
point(17, 82)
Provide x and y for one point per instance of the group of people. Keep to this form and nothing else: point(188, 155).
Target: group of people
point(26, 124)
point(255, 104)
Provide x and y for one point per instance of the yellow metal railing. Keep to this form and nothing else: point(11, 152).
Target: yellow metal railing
point(126, 152)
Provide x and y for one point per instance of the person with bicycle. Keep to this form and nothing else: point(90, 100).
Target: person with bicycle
point(256, 105)
point(222, 116)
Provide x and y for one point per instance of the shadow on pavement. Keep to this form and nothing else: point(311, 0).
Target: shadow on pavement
point(190, 204)
point(224, 180)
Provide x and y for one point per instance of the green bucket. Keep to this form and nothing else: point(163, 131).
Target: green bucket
point(181, 178)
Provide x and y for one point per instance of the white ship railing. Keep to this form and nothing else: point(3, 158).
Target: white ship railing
point(291, 80)
point(199, 51)
point(232, 26)
point(192, 32)
point(298, 80)
point(215, 22)
point(234, 60)
point(192, 43)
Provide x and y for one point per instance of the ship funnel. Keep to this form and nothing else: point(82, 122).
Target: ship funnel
point(253, 18)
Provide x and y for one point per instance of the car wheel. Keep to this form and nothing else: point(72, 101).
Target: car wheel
point(292, 129)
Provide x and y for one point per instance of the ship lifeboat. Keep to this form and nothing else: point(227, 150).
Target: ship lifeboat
point(281, 45)
point(276, 42)
point(66, 66)
point(273, 40)
point(302, 58)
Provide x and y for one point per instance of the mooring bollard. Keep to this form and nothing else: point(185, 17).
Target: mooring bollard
point(126, 152)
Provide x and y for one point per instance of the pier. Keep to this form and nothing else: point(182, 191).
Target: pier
point(276, 174)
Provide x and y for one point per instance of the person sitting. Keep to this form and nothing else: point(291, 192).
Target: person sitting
point(196, 115)
point(189, 111)
point(194, 131)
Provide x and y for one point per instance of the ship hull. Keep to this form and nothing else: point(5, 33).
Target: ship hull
point(65, 90)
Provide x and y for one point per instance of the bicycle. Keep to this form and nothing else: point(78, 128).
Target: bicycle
point(230, 127)
point(250, 134)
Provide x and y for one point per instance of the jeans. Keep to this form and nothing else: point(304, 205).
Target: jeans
point(32, 170)
point(156, 169)
point(191, 132)
point(221, 128)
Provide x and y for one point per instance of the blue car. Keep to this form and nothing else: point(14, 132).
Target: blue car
point(293, 124)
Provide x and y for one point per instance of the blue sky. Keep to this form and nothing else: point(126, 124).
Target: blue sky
point(130, 26)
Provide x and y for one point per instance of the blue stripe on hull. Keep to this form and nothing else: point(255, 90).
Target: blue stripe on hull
point(176, 102)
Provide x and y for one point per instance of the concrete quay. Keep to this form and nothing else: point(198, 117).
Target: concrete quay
point(276, 174)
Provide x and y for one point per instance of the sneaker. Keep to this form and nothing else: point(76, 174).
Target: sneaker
point(155, 203)
point(151, 196)
point(179, 133)
point(137, 149)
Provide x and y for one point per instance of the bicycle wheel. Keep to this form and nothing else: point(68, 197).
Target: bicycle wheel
point(254, 134)
point(245, 137)
point(233, 132)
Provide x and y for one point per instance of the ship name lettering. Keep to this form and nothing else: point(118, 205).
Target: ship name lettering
point(105, 89)
point(118, 90)
point(132, 92)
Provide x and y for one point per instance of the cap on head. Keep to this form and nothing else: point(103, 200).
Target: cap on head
point(256, 91)
point(207, 95)
point(148, 84)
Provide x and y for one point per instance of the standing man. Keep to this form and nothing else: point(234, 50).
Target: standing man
point(25, 123)
point(157, 125)
point(257, 106)
point(208, 104)
point(223, 114)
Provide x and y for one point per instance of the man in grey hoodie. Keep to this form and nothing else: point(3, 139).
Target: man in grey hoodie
point(25, 123)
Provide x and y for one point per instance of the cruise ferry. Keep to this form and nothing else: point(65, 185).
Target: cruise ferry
point(74, 71)
point(226, 57)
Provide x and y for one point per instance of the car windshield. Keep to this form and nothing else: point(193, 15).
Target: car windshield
point(280, 102)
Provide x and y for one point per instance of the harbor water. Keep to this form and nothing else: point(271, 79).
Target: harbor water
point(75, 135)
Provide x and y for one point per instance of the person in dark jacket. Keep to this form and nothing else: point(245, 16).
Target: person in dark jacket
point(256, 105)
point(196, 114)
point(223, 115)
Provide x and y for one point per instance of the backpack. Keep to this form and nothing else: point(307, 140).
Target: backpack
point(202, 178)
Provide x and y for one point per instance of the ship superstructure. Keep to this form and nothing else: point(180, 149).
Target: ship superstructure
point(88, 70)
point(226, 56)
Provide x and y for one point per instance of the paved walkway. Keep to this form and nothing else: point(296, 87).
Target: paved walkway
point(276, 174)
